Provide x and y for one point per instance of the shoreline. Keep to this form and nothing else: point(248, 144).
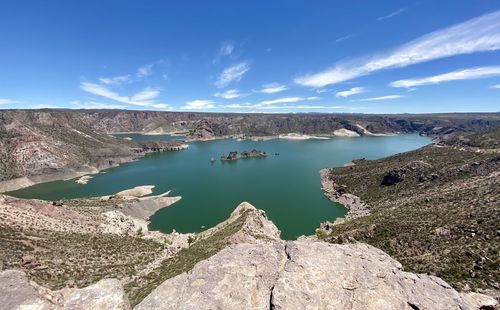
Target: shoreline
point(337, 193)
point(63, 175)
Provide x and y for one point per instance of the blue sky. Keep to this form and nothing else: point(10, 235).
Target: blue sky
point(252, 56)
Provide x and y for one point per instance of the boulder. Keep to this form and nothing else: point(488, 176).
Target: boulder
point(306, 274)
point(17, 292)
point(239, 277)
point(394, 176)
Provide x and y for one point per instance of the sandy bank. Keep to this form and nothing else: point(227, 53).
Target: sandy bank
point(64, 174)
point(136, 192)
point(84, 180)
point(296, 136)
point(345, 133)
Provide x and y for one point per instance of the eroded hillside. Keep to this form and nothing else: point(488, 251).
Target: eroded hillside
point(435, 209)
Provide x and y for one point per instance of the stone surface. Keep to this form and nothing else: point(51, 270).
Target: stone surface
point(17, 292)
point(105, 294)
point(239, 277)
point(338, 193)
point(306, 275)
point(257, 270)
point(319, 275)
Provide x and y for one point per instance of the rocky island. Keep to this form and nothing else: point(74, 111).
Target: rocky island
point(245, 154)
point(162, 146)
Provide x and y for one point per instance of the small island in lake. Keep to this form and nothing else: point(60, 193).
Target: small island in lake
point(245, 154)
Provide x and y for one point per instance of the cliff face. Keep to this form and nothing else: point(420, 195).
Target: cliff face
point(239, 264)
point(34, 143)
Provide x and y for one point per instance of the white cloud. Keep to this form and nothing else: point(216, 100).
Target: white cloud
point(273, 88)
point(230, 94)
point(92, 105)
point(480, 34)
point(145, 71)
point(248, 105)
point(322, 90)
point(116, 80)
point(303, 106)
point(281, 103)
point(103, 91)
point(45, 106)
point(198, 105)
point(351, 92)
point(232, 74)
point(146, 94)
point(392, 14)
point(9, 101)
point(287, 100)
point(389, 97)
point(496, 86)
point(466, 74)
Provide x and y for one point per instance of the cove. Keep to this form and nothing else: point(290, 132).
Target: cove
point(287, 186)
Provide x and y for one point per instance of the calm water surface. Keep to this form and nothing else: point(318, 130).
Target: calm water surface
point(287, 186)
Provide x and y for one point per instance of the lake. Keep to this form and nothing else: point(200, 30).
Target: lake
point(287, 186)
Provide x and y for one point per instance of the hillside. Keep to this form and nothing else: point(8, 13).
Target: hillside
point(434, 209)
point(73, 262)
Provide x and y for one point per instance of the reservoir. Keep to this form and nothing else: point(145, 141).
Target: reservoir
point(286, 184)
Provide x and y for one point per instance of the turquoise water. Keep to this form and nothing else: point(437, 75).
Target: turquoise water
point(287, 186)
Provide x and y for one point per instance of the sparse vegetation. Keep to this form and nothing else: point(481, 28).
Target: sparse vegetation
point(185, 260)
point(442, 218)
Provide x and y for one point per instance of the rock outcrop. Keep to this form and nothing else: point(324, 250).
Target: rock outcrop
point(338, 193)
point(253, 269)
point(306, 275)
point(17, 292)
point(241, 276)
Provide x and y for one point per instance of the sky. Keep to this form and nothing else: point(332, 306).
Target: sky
point(278, 56)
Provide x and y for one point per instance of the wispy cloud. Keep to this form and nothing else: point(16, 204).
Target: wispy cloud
point(141, 98)
point(146, 94)
point(226, 49)
point(392, 14)
point(466, 74)
point(232, 74)
point(389, 97)
point(116, 80)
point(273, 88)
point(9, 101)
point(145, 71)
point(496, 86)
point(350, 92)
point(92, 105)
point(344, 38)
point(247, 106)
point(199, 105)
point(45, 106)
point(287, 100)
point(323, 90)
point(480, 34)
point(230, 94)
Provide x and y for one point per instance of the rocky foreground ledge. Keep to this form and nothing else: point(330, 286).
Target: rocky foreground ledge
point(243, 264)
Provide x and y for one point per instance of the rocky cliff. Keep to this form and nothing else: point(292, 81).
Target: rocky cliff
point(239, 264)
